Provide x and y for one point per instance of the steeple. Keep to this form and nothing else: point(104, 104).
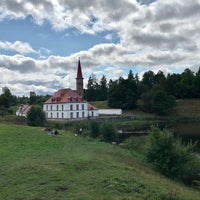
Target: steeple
point(79, 79)
point(79, 71)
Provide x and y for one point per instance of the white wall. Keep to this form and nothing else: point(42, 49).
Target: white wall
point(93, 113)
point(110, 111)
point(66, 110)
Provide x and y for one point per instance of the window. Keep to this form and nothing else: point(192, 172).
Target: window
point(83, 114)
point(77, 115)
point(51, 107)
point(62, 115)
point(71, 115)
point(82, 106)
point(77, 107)
point(51, 115)
point(71, 107)
point(57, 107)
point(62, 107)
point(46, 107)
point(57, 115)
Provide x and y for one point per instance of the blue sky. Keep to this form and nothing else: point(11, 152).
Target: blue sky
point(41, 41)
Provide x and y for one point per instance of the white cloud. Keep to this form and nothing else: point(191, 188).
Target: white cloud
point(18, 46)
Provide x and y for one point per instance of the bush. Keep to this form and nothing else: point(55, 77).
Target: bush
point(171, 156)
point(94, 129)
point(108, 132)
point(36, 116)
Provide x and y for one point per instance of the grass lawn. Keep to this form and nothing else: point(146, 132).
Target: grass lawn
point(35, 165)
point(100, 104)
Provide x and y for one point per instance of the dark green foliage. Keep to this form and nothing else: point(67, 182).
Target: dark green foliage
point(173, 158)
point(36, 116)
point(104, 131)
point(108, 132)
point(94, 129)
point(162, 104)
point(96, 91)
point(146, 102)
point(3, 111)
point(103, 89)
point(157, 101)
point(123, 93)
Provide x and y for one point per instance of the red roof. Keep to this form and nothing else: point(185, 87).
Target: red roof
point(79, 71)
point(23, 109)
point(91, 107)
point(65, 96)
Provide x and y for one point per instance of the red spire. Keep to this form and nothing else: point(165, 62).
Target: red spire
point(79, 71)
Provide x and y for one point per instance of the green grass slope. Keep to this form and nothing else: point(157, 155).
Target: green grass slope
point(188, 107)
point(35, 165)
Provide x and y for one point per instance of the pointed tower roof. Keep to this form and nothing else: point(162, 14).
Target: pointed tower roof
point(79, 71)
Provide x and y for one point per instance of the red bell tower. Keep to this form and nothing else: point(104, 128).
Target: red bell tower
point(79, 80)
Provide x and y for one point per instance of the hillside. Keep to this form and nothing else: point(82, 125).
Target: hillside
point(184, 108)
point(35, 165)
point(188, 107)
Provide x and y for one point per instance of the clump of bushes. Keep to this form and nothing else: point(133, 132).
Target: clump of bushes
point(105, 131)
point(171, 156)
point(94, 129)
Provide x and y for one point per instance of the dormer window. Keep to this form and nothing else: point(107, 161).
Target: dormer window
point(70, 98)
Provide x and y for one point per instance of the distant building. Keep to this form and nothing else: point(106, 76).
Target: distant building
point(68, 103)
point(23, 110)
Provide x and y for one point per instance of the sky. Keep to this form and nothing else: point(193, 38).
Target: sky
point(41, 41)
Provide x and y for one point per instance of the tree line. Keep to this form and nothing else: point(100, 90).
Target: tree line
point(155, 92)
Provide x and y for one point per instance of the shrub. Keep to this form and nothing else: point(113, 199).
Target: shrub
point(94, 129)
point(36, 116)
point(173, 158)
point(135, 143)
point(108, 132)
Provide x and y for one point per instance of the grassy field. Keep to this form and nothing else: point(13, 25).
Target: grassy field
point(100, 104)
point(35, 165)
point(188, 107)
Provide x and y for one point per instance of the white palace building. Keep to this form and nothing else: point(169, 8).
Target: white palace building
point(70, 104)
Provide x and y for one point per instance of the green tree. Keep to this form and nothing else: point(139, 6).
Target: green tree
point(123, 93)
point(146, 101)
point(4, 101)
point(103, 89)
point(33, 98)
point(162, 104)
point(187, 83)
point(92, 88)
point(197, 84)
point(108, 132)
point(94, 129)
point(148, 79)
point(6, 94)
point(173, 81)
point(36, 116)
